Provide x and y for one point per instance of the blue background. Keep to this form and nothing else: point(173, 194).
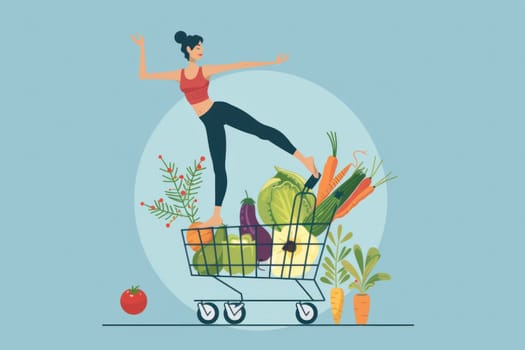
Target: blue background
point(435, 83)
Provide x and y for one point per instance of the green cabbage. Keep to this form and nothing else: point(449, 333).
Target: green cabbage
point(276, 197)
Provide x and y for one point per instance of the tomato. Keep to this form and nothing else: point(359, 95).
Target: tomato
point(133, 300)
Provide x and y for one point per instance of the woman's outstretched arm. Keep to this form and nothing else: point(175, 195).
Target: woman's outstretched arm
point(212, 69)
point(172, 75)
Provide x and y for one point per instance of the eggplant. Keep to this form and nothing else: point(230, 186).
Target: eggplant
point(249, 224)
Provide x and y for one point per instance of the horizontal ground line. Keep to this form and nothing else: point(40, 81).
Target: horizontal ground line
point(256, 325)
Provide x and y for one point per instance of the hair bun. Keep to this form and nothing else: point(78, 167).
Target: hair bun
point(180, 36)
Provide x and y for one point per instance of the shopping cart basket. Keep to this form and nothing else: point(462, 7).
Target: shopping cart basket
point(230, 252)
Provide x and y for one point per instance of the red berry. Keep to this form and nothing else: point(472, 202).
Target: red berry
point(199, 166)
point(161, 200)
point(181, 177)
point(168, 225)
point(160, 156)
point(170, 170)
point(183, 192)
point(189, 206)
point(202, 158)
point(152, 207)
point(195, 200)
point(141, 203)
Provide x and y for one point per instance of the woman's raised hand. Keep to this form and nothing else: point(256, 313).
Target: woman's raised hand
point(281, 58)
point(138, 39)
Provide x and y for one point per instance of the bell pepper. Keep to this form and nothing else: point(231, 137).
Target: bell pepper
point(239, 255)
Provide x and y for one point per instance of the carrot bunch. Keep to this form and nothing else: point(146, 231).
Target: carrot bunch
point(363, 190)
point(328, 181)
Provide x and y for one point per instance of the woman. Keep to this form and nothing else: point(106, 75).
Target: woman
point(194, 81)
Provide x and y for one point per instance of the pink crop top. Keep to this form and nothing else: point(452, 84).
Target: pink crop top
point(196, 89)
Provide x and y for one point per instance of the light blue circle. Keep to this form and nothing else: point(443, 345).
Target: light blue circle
point(304, 112)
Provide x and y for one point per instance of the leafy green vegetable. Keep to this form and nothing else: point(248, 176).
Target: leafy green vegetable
point(359, 257)
point(362, 281)
point(276, 197)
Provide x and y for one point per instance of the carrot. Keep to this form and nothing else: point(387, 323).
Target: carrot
point(363, 190)
point(334, 275)
point(361, 308)
point(337, 299)
point(345, 208)
point(334, 182)
point(362, 195)
point(329, 168)
point(328, 181)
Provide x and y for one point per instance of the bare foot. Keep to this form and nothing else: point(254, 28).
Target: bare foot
point(310, 165)
point(308, 162)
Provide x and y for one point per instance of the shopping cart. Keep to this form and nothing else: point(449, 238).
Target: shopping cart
point(233, 257)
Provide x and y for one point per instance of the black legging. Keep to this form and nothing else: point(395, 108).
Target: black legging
point(223, 113)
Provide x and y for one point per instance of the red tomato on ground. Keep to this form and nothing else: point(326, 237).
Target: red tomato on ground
point(133, 300)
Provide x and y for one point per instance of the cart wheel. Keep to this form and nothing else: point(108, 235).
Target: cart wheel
point(306, 313)
point(207, 313)
point(234, 313)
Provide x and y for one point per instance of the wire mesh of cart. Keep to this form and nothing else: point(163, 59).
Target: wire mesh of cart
point(228, 252)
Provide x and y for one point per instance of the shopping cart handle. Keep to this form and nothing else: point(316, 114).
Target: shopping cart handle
point(312, 181)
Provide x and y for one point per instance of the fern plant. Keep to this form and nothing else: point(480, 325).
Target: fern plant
point(182, 193)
